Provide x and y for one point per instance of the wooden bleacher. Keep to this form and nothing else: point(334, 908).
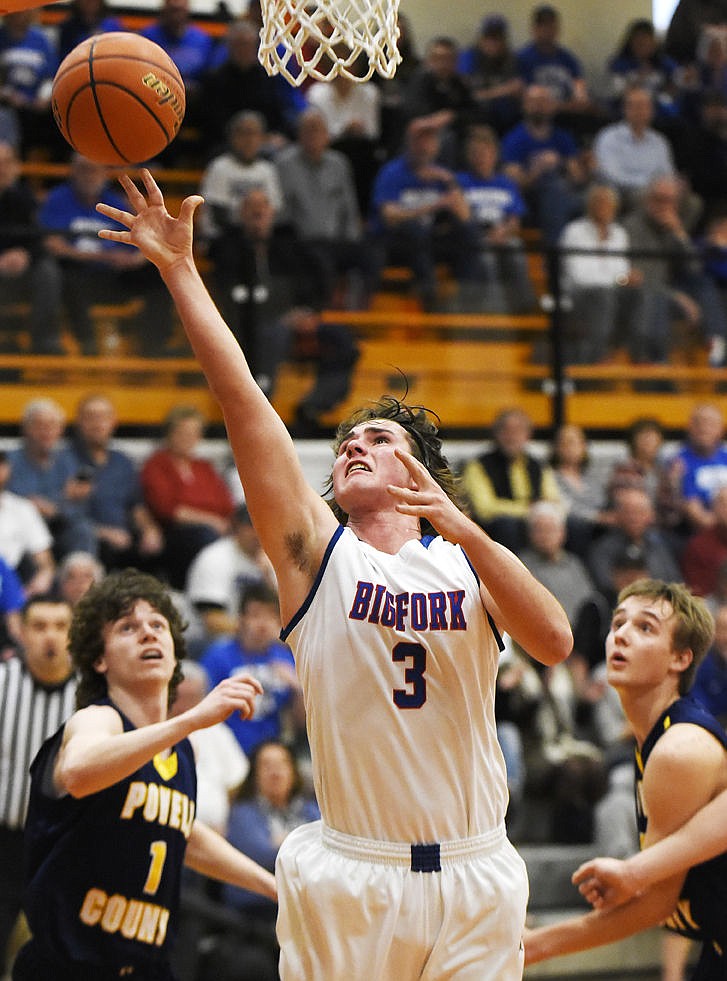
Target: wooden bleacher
point(466, 366)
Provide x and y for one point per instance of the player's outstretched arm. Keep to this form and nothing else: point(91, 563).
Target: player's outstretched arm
point(599, 927)
point(280, 501)
point(519, 604)
point(607, 882)
point(214, 857)
point(96, 752)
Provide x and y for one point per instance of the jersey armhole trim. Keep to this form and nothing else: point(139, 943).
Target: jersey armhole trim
point(493, 626)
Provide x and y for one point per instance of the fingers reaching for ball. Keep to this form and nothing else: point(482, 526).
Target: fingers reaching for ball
point(164, 240)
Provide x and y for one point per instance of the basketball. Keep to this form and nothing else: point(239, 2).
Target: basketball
point(118, 98)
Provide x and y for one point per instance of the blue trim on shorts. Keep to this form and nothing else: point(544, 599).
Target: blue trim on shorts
point(426, 858)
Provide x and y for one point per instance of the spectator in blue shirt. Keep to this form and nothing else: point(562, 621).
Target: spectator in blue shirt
point(95, 269)
point(419, 214)
point(544, 61)
point(699, 467)
point(496, 209)
point(256, 650)
point(545, 162)
point(12, 600)
point(28, 62)
point(190, 48)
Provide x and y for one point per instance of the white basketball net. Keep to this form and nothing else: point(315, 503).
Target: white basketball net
point(301, 39)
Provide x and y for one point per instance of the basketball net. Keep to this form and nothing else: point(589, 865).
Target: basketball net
point(320, 40)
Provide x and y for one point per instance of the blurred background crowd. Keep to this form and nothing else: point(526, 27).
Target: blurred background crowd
point(310, 194)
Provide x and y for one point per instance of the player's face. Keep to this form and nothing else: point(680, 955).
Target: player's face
point(138, 647)
point(640, 644)
point(366, 464)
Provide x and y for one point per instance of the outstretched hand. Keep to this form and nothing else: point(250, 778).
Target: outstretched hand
point(164, 240)
point(236, 694)
point(426, 499)
point(606, 882)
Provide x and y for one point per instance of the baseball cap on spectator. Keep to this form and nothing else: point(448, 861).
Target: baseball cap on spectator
point(494, 25)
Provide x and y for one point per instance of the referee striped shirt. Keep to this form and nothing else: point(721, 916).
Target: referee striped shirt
point(29, 713)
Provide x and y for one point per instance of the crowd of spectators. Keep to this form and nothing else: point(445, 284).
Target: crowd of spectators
point(447, 163)
point(442, 166)
point(587, 530)
point(73, 505)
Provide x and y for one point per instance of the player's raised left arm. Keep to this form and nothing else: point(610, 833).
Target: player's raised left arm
point(520, 605)
point(213, 856)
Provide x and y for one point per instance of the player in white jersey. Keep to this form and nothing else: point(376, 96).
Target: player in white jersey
point(409, 875)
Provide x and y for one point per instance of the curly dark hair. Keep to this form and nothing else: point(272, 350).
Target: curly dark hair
point(105, 602)
point(426, 445)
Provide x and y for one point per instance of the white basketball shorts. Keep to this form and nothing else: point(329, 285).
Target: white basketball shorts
point(351, 909)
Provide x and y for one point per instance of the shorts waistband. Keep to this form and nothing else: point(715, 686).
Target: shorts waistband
point(419, 856)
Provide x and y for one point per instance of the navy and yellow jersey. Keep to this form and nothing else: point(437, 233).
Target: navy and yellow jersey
point(103, 872)
point(702, 910)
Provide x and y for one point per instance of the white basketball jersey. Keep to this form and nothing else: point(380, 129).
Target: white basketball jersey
point(397, 658)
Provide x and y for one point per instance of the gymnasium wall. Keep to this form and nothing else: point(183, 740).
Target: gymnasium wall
point(589, 27)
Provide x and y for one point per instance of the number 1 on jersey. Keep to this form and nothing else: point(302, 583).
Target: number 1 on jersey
point(158, 851)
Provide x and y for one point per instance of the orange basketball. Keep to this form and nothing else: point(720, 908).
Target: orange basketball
point(118, 98)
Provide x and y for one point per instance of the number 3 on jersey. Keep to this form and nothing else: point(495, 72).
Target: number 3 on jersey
point(414, 656)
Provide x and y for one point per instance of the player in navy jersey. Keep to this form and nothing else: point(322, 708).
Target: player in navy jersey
point(658, 635)
point(395, 633)
point(111, 818)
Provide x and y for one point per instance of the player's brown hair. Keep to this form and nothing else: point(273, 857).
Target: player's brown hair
point(426, 444)
point(105, 602)
point(694, 628)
